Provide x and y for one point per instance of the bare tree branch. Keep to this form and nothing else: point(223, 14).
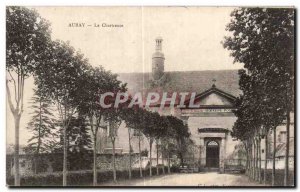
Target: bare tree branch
point(12, 108)
point(14, 83)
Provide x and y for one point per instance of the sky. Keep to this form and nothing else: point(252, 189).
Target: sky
point(191, 41)
point(191, 36)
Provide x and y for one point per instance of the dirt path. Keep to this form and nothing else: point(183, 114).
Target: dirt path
point(190, 179)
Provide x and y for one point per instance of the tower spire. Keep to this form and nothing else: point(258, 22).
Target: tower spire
point(158, 59)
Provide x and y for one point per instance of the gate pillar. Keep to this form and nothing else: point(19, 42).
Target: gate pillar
point(223, 154)
point(202, 154)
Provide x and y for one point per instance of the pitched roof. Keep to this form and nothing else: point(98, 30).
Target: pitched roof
point(213, 89)
point(186, 81)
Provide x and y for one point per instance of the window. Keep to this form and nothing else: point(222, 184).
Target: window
point(212, 143)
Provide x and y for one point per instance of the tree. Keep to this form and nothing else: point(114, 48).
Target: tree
point(139, 127)
point(133, 118)
point(182, 135)
point(150, 131)
point(130, 146)
point(27, 35)
point(114, 121)
point(249, 117)
point(114, 117)
point(79, 143)
point(243, 131)
point(169, 140)
point(263, 40)
point(96, 81)
point(168, 148)
point(78, 137)
point(161, 130)
point(254, 119)
point(175, 138)
point(42, 126)
point(61, 72)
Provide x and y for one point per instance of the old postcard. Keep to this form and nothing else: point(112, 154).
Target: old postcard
point(150, 96)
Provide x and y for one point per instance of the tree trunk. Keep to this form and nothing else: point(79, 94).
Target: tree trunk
point(255, 160)
point(129, 142)
point(274, 156)
point(247, 160)
point(150, 158)
point(95, 161)
point(39, 139)
point(249, 166)
point(16, 155)
point(259, 159)
point(36, 155)
point(181, 159)
point(35, 163)
point(266, 159)
point(140, 155)
point(16, 111)
point(163, 164)
point(249, 157)
point(246, 165)
point(157, 170)
point(286, 167)
point(251, 160)
point(169, 167)
point(114, 160)
point(65, 155)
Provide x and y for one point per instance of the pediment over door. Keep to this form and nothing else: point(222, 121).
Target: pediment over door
point(214, 98)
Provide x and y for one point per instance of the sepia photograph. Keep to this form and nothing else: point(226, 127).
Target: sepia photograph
point(150, 96)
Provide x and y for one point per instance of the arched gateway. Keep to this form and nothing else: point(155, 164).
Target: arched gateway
point(212, 154)
point(212, 148)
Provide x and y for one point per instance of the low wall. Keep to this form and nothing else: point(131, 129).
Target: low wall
point(52, 163)
point(105, 161)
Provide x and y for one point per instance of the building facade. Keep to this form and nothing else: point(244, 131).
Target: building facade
point(210, 124)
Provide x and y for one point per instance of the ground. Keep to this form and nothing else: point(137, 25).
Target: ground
point(190, 179)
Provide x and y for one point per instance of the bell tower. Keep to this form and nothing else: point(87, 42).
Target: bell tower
point(158, 60)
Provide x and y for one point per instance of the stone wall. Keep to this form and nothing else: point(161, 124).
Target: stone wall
point(105, 161)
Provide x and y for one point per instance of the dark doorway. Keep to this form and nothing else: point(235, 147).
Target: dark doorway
point(212, 154)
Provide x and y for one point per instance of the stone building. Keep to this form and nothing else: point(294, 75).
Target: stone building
point(210, 124)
